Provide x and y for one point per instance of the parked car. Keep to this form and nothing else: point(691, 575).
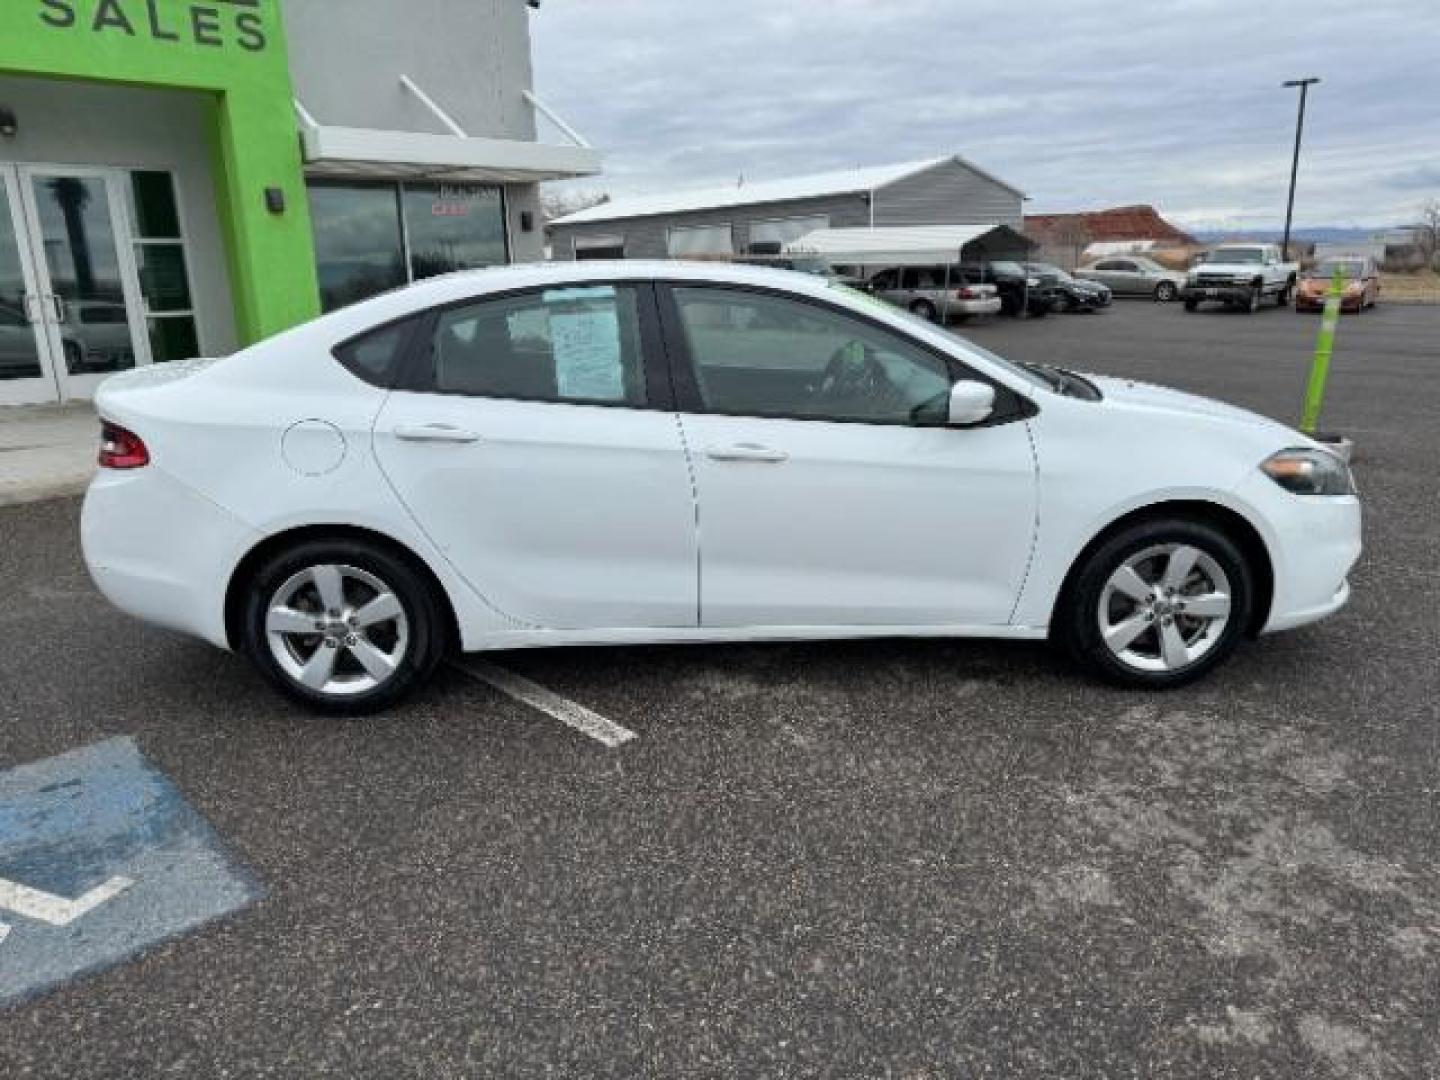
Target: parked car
point(19, 353)
point(1362, 283)
point(929, 292)
point(1021, 292)
point(1075, 294)
point(1134, 275)
point(526, 456)
point(1241, 276)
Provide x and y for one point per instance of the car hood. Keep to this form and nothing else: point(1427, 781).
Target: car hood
point(1161, 399)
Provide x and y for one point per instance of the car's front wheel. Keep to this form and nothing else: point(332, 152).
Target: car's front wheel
point(343, 626)
point(1166, 292)
point(1157, 605)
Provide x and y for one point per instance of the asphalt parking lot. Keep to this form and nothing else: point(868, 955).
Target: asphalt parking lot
point(893, 859)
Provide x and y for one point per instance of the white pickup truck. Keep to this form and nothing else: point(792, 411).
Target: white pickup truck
point(1241, 275)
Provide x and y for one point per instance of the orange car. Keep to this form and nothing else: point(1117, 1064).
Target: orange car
point(1362, 283)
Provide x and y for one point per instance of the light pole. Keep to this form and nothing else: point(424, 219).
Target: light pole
point(1304, 85)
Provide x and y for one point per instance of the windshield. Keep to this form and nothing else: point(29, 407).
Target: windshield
point(1348, 267)
point(1237, 255)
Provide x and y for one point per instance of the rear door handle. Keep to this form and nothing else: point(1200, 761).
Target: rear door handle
point(747, 452)
point(435, 433)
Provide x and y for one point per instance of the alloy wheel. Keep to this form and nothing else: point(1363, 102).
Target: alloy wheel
point(337, 630)
point(1165, 607)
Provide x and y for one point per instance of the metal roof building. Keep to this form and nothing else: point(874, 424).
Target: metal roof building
point(761, 218)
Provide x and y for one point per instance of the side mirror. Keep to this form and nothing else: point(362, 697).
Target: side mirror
point(971, 402)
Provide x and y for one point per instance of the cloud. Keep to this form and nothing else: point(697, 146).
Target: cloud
point(1081, 104)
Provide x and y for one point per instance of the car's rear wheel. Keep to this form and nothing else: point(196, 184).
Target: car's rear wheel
point(1166, 292)
point(343, 626)
point(1191, 305)
point(1157, 605)
point(925, 310)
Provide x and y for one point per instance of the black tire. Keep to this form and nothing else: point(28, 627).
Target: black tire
point(1192, 305)
point(425, 641)
point(1282, 298)
point(1077, 615)
point(925, 309)
point(1166, 291)
point(1253, 304)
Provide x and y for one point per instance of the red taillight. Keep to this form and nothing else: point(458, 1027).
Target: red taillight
point(121, 449)
point(966, 294)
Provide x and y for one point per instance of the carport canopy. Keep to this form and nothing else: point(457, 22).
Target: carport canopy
point(916, 245)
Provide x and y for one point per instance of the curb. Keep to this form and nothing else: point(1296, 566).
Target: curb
point(23, 494)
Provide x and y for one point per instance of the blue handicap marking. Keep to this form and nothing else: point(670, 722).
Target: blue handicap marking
point(101, 858)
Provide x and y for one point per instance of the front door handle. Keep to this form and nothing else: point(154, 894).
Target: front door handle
point(747, 452)
point(435, 433)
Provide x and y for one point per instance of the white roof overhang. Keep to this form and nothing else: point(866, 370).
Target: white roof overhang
point(923, 245)
point(398, 155)
point(343, 151)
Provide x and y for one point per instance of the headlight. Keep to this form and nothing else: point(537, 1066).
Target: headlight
point(1310, 472)
point(1033, 282)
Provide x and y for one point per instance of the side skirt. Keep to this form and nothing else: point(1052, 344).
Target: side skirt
point(664, 635)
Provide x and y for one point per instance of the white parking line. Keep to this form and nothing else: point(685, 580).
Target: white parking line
point(536, 696)
point(57, 910)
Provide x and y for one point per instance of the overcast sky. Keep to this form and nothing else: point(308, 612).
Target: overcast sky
point(1080, 103)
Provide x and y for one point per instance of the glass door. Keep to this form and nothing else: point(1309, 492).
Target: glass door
point(84, 268)
point(26, 374)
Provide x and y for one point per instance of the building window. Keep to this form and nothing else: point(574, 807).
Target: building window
point(453, 227)
point(374, 237)
point(599, 247)
point(770, 237)
point(359, 248)
point(698, 241)
point(163, 272)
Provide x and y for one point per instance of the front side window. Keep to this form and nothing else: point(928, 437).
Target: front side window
point(579, 345)
point(756, 354)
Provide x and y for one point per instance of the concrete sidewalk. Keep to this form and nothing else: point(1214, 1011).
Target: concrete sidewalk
point(46, 451)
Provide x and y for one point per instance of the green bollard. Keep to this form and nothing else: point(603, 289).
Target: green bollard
point(1324, 346)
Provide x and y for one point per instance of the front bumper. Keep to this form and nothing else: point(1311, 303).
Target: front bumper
point(161, 552)
point(990, 305)
point(1314, 542)
point(1317, 303)
point(1225, 294)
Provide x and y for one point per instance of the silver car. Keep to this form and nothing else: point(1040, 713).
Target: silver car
point(922, 291)
point(1134, 275)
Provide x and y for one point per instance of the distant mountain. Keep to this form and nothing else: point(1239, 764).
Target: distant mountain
point(1323, 235)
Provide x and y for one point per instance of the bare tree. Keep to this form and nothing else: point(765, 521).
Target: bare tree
point(1426, 234)
point(556, 204)
point(1073, 237)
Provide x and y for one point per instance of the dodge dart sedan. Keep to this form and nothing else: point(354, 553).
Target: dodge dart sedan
point(634, 452)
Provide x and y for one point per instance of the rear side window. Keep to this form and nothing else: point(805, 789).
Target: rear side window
point(578, 345)
point(376, 356)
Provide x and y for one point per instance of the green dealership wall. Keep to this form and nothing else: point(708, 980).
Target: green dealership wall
point(234, 52)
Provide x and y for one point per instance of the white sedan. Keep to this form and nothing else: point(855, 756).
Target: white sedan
point(658, 452)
